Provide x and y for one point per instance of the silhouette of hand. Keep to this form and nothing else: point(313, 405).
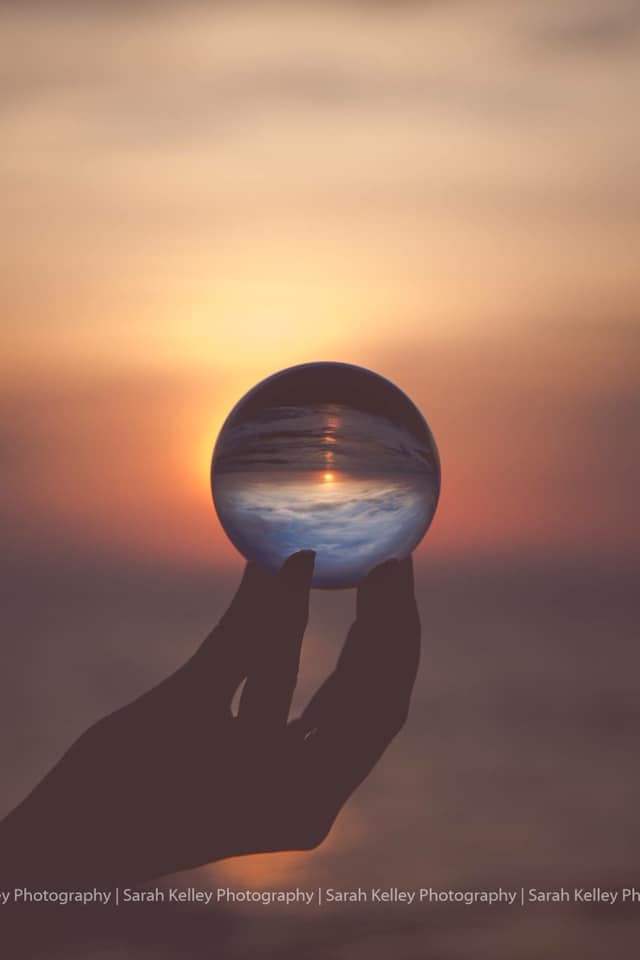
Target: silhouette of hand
point(175, 780)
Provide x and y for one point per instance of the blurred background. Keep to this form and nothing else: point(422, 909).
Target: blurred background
point(198, 194)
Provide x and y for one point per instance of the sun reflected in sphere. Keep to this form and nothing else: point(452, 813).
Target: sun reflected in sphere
point(328, 457)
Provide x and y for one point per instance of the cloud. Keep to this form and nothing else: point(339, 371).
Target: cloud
point(603, 27)
point(353, 522)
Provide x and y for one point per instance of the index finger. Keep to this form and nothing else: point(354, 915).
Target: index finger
point(273, 672)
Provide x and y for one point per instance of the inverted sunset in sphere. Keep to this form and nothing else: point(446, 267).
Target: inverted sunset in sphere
point(327, 457)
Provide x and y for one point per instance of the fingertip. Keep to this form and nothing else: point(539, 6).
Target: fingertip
point(297, 570)
point(388, 587)
point(392, 572)
point(379, 577)
point(301, 556)
point(382, 571)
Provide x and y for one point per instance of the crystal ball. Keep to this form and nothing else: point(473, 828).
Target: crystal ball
point(327, 457)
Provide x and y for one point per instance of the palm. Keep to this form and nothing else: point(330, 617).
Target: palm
point(174, 779)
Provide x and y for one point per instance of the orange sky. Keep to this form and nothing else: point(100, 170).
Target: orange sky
point(198, 196)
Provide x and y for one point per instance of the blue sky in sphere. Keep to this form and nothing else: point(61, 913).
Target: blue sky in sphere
point(352, 523)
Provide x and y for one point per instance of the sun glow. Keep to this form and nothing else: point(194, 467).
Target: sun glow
point(328, 477)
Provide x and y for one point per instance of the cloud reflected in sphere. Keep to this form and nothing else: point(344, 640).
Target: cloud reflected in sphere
point(328, 457)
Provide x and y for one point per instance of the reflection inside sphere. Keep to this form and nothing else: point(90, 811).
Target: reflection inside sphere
point(327, 457)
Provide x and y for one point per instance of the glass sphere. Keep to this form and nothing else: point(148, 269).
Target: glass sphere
point(327, 457)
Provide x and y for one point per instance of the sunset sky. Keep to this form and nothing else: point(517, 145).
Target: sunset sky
point(196, 195)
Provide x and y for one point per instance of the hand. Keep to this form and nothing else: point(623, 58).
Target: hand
point(175, 780)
